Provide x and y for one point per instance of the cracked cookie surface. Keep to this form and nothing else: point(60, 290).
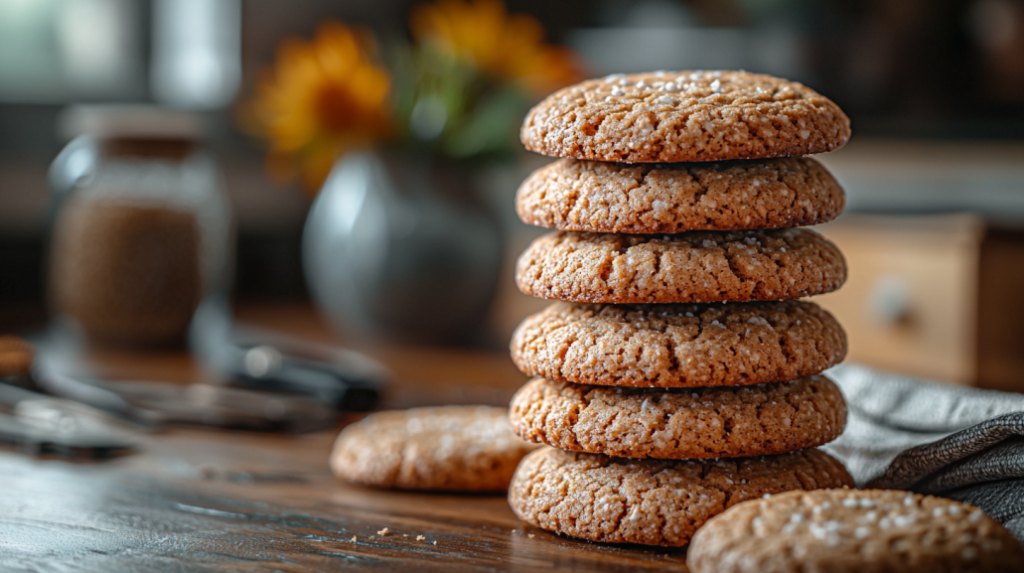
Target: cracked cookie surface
point(672, 198)
point(764, 419)
point(447, 448)
point(684, 116)
point(653, 502)
point(678, 345)
point(840, 531)
point(700, 266)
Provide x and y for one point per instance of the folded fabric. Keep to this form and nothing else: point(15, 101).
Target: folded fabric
point(957, 442)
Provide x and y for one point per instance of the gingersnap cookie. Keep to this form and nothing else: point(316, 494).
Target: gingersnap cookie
point(653, 502)
point(678, 345)
point(700, 266)
point(684, 116)
point(839, 531)
point(758, 420)
point(448, 448)
point(672, 198)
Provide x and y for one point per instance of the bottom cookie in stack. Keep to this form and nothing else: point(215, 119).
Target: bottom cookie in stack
point(654, 502)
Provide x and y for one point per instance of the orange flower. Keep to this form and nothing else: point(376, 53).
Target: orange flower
point(320, 100)
point(508, 47)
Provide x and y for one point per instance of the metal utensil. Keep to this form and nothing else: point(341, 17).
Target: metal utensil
point(162, 403)
point(225, 407)
point(269, 361)
point(42, 424)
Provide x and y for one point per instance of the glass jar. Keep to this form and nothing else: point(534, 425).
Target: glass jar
point(142, 229)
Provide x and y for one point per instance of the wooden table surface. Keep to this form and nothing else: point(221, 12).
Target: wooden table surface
point(213, 500)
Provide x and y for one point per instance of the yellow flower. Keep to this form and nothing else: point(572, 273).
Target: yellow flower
point(320, 100)
point(508, 47)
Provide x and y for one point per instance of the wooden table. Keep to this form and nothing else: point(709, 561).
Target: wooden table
point(205, 500)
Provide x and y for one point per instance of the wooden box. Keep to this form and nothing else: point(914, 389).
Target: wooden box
point(939, 297)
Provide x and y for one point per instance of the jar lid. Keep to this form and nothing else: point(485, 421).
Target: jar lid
point(129, 121)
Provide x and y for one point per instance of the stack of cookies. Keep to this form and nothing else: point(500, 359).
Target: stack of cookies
point(679, 375)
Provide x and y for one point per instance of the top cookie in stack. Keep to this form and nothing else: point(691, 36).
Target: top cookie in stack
point(677, 190)
point(666, 117)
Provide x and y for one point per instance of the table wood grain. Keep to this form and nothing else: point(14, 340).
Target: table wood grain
point(209, 500)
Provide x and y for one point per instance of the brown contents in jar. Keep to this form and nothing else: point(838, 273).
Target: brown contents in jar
point(128, 273)
point(167, 148)
point(16, 356)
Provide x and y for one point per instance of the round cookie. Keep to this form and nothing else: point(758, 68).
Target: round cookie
point(578, 195)
point(701, 266)
point(840, 531)
point(667, 117)
point(678, 345)
point(765, 419)
point(653, 502)
point(448, 448)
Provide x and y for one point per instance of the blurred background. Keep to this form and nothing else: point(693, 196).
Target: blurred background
point(413, 240)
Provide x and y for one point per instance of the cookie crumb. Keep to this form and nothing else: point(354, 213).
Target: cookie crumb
point(353, 538)
point(383, 532)
point(420, 538)
point(531, 536)
point(435, 542)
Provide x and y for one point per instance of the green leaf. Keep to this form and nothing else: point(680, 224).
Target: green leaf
point(491, 127)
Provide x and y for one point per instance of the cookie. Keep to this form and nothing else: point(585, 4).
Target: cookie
point(653, 502)
point(839, 531)
point(672, 198)
point(684, 116)
point(678, 345)
point(701, 266)
point(757, 420)
point(449, 448)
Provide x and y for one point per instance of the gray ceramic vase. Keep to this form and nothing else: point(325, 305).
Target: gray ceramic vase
point(386, 251)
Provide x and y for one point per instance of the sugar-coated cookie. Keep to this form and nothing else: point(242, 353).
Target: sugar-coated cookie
point(702, 266)
point(653, 502)
point(684, 116)
point(576, 195)
point(678, 345)
point(448, 448)
point(848, 531)
point(698, 423)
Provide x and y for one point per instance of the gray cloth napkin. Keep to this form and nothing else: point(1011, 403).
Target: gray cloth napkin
point(961, 443)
